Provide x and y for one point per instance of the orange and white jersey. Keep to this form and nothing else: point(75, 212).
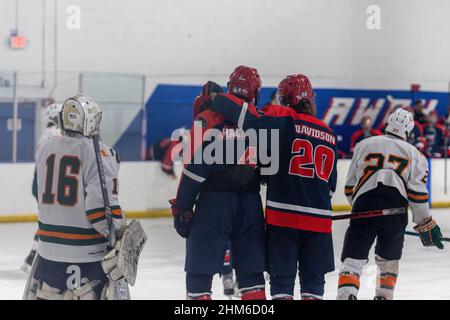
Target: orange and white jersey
point(395, 163)
point(72, 220)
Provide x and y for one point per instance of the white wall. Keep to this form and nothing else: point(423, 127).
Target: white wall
point(187, 41)
point(144, 187)
point(438, 177)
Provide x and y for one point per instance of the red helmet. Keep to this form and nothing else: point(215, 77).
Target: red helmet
point(295, 88)
point(245, 82)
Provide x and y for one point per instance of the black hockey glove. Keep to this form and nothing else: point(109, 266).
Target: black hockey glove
point(182, 219)
point(430, 234)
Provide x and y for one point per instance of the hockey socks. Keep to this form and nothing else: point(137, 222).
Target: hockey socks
point(386, 278)
point(348, 284)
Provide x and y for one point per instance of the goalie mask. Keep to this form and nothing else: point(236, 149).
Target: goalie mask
point(81, 114)
point(400, 123)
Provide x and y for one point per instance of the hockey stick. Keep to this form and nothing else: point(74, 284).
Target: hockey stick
point(122, 291)
point(101, 175)
point(412, 233)
point(370, 214)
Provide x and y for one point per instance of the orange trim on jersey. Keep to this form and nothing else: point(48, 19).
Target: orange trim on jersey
point(116, 212)
point(96, 215)
point(348, 191)
point(73, 236)
point(99, 214)
point(417, 197)
point(363, 179)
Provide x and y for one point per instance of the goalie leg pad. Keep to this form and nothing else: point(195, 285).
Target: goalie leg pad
point(88, 291)
point(46, 292)
point(386, 278)
point(31, 289)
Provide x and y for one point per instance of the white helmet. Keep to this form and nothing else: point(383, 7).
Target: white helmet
point(52, 113)
point(400, 123)
point(81, 114)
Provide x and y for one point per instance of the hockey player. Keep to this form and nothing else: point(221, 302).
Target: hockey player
point(387, 174)
point(203, 101)
point(227, 203)
point(162, 151)
point(73, 229)
point(298, 209)
point(51, 129)
point(365, 132)
point(435, 136)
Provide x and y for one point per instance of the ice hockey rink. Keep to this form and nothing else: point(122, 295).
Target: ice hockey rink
point(424, 272)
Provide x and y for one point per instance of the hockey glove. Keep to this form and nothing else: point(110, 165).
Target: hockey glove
point(430, 234)
point(182, 219)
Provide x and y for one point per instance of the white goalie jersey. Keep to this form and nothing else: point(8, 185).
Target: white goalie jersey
point(394, 163)
point(72, 220)
point(47, 134)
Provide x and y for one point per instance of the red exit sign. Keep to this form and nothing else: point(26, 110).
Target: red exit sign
point(17, 42)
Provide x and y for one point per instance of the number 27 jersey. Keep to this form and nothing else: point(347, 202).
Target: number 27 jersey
point(392, 162)
point(72, 220)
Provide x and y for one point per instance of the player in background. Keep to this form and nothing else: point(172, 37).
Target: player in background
point(445, 122)
point(227, 203)
point(203, 101)
point(386, 173)
point(445, 119)
point(419, 112)
point(415, 137)
point(434, 135)
point(298, 209)
point(365, 132)
point(51, 129)
point(73, 230)
point(162, 151)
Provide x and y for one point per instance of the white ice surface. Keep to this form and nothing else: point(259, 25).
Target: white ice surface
point(424, 272)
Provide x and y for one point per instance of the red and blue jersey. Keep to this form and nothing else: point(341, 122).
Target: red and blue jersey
point(211, 165)
point(299, 194)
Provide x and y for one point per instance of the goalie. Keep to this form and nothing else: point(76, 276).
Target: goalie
point(74, 233)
